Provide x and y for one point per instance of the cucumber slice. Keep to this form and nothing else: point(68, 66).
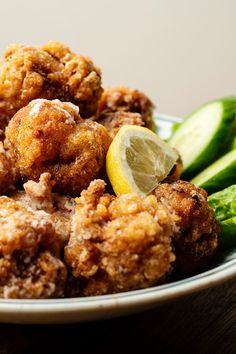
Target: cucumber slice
point(205, 135)
point(233, 146)
point(219, 175)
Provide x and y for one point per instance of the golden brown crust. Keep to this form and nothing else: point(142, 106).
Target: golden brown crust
point(84, 82)
point(50, 72)
point(124, 99)
point(50, 136)
point(39, 196)
point(7, 170)
point(113, 121)
point(29, 249)
point(44, 277)
point(23, 229)
point(118, 244)
point(196, 237)
point(58, 51)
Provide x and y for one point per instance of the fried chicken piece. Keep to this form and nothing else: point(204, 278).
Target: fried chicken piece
point(39, 196)
point(115, 101)
point(118, 243)
point(7, 170)
point(196, 237)
point(50, 72)
point(113, 121)
point(29, 251)
point(50, 136)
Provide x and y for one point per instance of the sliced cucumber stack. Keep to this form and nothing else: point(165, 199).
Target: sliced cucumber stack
point(219, 175)
point(205, 135)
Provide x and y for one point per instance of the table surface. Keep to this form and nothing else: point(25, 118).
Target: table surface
point(204, 322)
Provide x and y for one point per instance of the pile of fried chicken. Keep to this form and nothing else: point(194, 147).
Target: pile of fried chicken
point(63, 232)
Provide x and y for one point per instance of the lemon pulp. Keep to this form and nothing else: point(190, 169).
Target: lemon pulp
point(138, 160)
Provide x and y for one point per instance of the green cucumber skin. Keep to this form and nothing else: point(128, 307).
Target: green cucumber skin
point(221, 180)
point(228, 233)
point(220, 143)
point(233, 146)
point(224, 203)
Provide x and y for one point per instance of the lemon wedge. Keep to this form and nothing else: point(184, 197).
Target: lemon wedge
point(137, 160)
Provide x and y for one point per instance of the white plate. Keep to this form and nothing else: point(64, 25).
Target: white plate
point(107, 306)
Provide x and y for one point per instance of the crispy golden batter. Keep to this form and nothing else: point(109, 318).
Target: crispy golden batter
point(50, 136)
point(118, 243)
point(196, 237)
point(113, 121)
point(39, 196)
point(7, 170)
point(29, 251)
point(50, 72)
point(122, 99)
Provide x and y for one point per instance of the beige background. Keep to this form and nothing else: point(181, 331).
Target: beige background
point(180, 52)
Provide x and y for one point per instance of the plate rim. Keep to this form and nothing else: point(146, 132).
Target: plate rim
point(148, 296)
